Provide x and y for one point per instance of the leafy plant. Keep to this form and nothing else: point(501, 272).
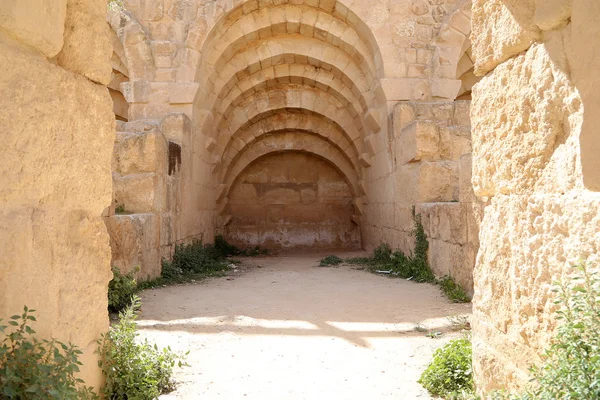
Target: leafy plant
point(453, 291)
point(121, 289)
point(571, 369)
point(450, 373)
point(330, 261)
point(382, 254)
point(135, 369)
point(38, 369)
point(120, 210)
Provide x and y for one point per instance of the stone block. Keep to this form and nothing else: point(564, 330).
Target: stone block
point(447, 221)
point(511, 153)
point(39, 26)
point(501, 29)
point(181, 93)
point(466, 193)
point(137, 193)
point(140, 153)
point(87, 48)
point(418, 141)
point(176, 127)
point(134, 241)
point(58, 133)
point(437, 181)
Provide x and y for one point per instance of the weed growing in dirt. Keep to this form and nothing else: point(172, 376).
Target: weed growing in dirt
point(120, 290)
point(460, 322)
point(135, 369)
point(420, 328)
point(330, 261)
point(449, 375)
point(191, 262)
point(36, 369)
point(453, 291)
point(414, 267)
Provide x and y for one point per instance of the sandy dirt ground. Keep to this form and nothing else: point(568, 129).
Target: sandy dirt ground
point(281, 328)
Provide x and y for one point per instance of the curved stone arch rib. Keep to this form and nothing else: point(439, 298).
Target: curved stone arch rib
point(227, 12)
point(266, 42)
point(288, 119)
point(351, 77)
point(297, 74)
point(285, 83)
point(288, 20)
point(290, 142)
point(451, 41)
point(291, 136)
point(264, 54)
point(320, 102)
point(135, 44)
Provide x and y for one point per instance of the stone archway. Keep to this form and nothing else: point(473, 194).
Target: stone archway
point(286, 77)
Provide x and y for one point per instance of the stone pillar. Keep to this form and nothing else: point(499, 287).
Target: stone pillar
point(529, 116)
point(57, 132)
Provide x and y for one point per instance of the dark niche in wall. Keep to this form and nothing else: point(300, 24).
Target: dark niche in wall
point(174, 158)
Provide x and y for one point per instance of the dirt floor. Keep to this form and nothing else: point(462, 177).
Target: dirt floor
point(282, 328)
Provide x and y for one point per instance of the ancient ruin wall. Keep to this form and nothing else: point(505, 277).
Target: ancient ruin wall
point(57, 131)
point(292, 200)
point(534, 118)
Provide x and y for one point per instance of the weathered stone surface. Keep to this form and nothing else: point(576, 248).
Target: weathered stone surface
point(541, 220)
point(527, 242)
point(137, 193)
point(87, 47)
point(419, 141)
point(40, 27)
point(501, 30)
point(140, 153)
point(514, 142)
point(58, 130)
point(134, 241)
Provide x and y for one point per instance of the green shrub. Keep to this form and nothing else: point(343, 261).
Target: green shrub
point(198, 258)
point(382, 254)
point(38, 369)
point(120, 290)
point(224, 248)
point(453, 291)
point(571, 369)
point(134, 369)
point(450, 373)
point(330, 260)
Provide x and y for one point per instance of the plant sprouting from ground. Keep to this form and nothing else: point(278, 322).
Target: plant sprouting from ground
point(135, 369)
point(330, 261)
point(571, 369)
point(36, 369)
point(450, 373)
point(453, 291)
point(121, 289)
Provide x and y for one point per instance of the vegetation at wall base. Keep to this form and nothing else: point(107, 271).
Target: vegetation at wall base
point(121, 289)
point(36, 369)
point(453, 291)
point(226, 249)
point(135, 369)
point(330, 261)
point(571, 367)
point(449, 374)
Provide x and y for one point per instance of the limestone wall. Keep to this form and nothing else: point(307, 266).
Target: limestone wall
point(292, 200)
point(534, 118)
point(426, 165)
point(57, 130)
